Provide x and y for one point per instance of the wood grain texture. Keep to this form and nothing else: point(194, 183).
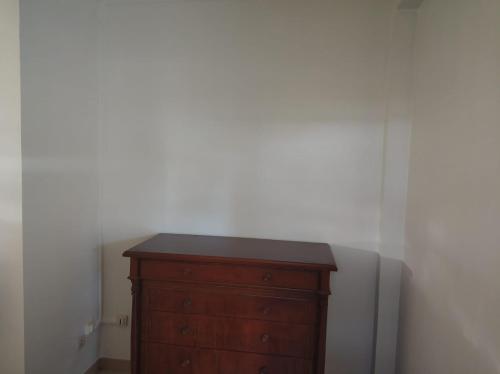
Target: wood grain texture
point(195, 311)
point(235, 250)
point(190, 300)
point(229, 274)
point(247, 363)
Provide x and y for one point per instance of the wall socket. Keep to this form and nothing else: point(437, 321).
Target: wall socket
point(122, 320)
point(88, 329)
point(82, 340)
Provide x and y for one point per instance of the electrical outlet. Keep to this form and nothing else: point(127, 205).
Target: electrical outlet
point(82, 340)
point(122, 320)
point(89, 328)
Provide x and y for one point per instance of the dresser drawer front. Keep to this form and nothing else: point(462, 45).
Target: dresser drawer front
point(270, 309)
point(165, 359)
point(181, 329)
point(268, 338)
point(248, 363)
point(218, 303)
point(168, 359)
point(230, 334)
point(227, 274)
point(186, 300)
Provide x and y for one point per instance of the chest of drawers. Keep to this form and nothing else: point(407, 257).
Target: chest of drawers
point(221, 305)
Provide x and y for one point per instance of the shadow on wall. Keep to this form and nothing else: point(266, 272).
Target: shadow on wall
point(116, 297)
point(448, 342)
point(352, 312)
point(351, 320)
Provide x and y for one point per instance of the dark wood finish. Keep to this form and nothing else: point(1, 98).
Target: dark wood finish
point(169, 359)
point(322, 319)
point(136, 315)
point(199, 248)
point(216, 305)
point(181, 329)
point(268, 338)
point(190, 300)
point(230, 333)
point(246, 363)
point(164, 359)
point(227, 274)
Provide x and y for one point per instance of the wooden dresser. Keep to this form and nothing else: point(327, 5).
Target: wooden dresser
point(219, 305)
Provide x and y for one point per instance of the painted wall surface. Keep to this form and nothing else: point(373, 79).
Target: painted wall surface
point(393, 205)
point(451, 299)
point(60, 186)
point(248, 118)
point(11, 247)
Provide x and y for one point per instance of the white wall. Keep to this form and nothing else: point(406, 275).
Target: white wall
point(250, 118)
point(393, 201)
point(11, 249)
point(60, 187)
point(451, 299)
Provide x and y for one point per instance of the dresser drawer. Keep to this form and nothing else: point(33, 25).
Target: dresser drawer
point(186, 300)
point(248, 363)
point(228, 274)
point(230, 334)
point(192, 301)
point(270, 309)
point(268, 338)
point(181, 329)
point(165, 359)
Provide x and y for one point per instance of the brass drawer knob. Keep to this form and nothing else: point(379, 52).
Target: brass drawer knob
point(265, 338)
point(188, 302)
point(267, 277)
point(186, 363)
point(263, 370)
point(185, 330)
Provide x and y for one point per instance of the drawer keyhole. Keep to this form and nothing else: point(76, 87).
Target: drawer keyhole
point(263, 370)
point(188, 271)
point(266, 310)
point(267, 277)
point(264, 338)
point(186, 363)
point(188, 302)
point(185, 330)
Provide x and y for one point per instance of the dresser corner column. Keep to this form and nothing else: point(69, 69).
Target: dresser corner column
point(323, 316)
point(136, 291)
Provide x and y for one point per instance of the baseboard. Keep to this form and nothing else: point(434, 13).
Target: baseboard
point(109, 364)
point(94, 369)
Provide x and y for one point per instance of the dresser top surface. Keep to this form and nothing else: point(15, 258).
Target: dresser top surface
point(180, 246)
